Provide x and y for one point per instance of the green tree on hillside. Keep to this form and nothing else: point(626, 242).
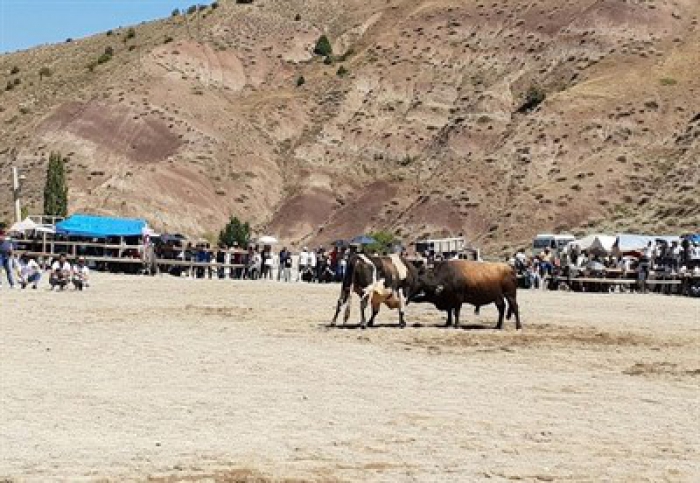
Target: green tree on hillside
point(323, 47)
point(235, 232)
point(384, 241)
point(56, 189)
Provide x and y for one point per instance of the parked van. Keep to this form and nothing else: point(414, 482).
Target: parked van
point(555, 243)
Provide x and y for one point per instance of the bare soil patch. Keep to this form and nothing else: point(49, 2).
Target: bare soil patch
point(170, 380)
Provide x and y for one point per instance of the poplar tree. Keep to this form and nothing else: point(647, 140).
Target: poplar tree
point(56, 189)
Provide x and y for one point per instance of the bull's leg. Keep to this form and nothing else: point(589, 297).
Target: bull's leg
point(375, 311)
point(458, 308)
point(514, 309)
point(363, 307)
point(501, 306)
point(342, 301)
point(346, 316)
point(402, 309)
point(449, 317)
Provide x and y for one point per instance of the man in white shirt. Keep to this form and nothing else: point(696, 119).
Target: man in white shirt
point(81, 275)
point(60, 273)
point(303, 262)
point(29, 272)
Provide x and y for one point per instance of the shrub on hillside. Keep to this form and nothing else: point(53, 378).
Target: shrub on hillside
point(192, 9)
point(168, 39)
point(533, 98)
point(244, 1)
point(14, 70)
point(44, 72)
point(106, 55)
point(175, 13)
point(342, 71)
point(301, 81)
point(323, 47)
point(297, 18)
point(215, 5)
point(131, 33)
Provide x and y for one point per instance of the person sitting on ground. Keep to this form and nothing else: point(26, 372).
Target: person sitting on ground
point(29, 272)
point(60, 273)
point(81, 275)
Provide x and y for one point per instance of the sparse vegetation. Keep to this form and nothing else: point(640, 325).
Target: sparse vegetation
point(323, 47)
point(297, 18)
point(103, 58)
point(342, 71)
point(301, 81)
point(44, 72)
point(175, 13)
point(244, 1)
point(668, 81)
point(533, 98)
point(215, 5)
point(14, 70)
point(407, 160)
point(130, 34)
point(168, 39)
point(191, 9)
point(109, 33)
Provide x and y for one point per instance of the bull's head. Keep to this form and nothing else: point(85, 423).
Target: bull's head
point(426, 288)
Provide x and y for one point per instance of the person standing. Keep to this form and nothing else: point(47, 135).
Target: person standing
point(268, 263)
point(303, 262)
point(7, 250)
point(312, 264)
point(285, 268)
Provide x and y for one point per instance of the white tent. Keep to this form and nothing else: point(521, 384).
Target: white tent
point(28, 225)
point(268, 240)
point(23, 226)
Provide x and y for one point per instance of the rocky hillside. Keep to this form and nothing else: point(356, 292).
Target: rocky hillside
point(490, 118)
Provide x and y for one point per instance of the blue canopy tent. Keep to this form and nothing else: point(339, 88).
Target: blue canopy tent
point(694, 238)
point(362, 240)
point(100, 226)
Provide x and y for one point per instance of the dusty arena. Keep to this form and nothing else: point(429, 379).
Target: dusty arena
point(166, 380)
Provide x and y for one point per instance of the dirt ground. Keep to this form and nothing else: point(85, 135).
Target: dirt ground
point(167, 380)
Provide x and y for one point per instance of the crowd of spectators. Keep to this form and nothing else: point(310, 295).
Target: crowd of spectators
point(549, 268)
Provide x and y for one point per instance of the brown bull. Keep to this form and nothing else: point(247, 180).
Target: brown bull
point(452, 283)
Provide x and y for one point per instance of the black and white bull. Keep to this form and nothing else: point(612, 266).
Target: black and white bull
point(376, 280)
